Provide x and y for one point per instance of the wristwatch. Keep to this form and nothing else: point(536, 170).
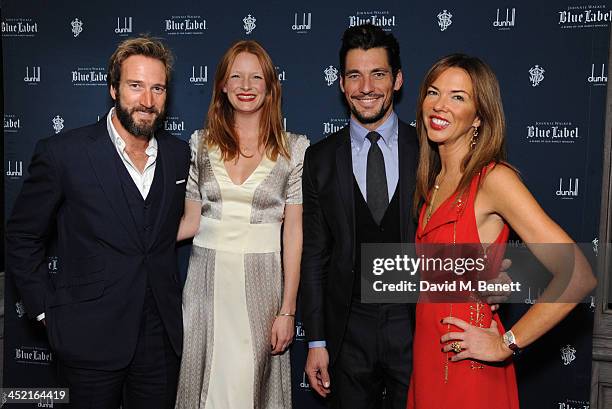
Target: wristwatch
point(510, 342)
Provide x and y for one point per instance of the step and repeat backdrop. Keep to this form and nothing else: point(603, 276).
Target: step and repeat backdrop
point(550, 57)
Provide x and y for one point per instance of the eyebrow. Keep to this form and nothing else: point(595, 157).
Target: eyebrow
point(142, 82)
point(453, 90)
point(357, 71)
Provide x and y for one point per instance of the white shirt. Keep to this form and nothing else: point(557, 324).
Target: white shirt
point(144, 180)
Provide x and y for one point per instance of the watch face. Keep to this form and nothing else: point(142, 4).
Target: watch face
point(508, 338)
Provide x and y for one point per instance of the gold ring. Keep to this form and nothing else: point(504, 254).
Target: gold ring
point(456, 347)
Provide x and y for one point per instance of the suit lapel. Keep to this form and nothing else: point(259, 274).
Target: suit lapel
point(168, 184)
point(102, 154)
point(344, 169)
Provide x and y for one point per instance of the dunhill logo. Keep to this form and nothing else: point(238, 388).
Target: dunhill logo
point(127, 25)
point(202, 76)
point(506, 23)
point(571, 191)
point(601, 78)
point(35, 75)
point(305, 24)
point(304, 384)
point(14, 169)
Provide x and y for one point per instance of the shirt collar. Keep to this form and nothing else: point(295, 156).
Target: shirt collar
point(118, 140)
point(387, 131)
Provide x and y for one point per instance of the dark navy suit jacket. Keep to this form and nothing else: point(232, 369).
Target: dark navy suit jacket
point(94, 304)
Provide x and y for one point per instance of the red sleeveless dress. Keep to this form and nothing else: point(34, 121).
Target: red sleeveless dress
point(437, 383)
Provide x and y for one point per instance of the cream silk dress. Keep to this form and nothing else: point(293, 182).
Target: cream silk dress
point(234, 282)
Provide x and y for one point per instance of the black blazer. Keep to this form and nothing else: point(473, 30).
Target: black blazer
point(328, 255)
point(94, 304)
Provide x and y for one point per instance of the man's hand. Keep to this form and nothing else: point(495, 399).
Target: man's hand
point(316, 369)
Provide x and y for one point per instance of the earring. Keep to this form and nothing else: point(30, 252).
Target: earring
point(474, 139)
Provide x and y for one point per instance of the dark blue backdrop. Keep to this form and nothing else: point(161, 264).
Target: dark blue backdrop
point(550, 57)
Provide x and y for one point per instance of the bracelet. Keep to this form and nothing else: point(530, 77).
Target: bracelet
point(285, 314)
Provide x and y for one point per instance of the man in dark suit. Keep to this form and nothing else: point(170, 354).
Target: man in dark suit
point(114, 193)
point(358, 186)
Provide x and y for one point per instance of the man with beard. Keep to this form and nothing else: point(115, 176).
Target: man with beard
point(108, 199)
point(358, 186)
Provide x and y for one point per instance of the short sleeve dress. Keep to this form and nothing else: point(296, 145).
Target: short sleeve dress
point(235, 280)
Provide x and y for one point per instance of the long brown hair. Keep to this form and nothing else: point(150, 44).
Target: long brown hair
point(220, 118)
point(490, 144)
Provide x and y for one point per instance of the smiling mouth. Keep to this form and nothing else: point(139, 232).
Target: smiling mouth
point(438, 123)
point(245, 97)
point(368, 99)
point(146, 114)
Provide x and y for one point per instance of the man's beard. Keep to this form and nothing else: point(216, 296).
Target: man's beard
point(143, 131)
point(370, 119)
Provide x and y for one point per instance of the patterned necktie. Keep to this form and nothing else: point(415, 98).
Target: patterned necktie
point(376, 179)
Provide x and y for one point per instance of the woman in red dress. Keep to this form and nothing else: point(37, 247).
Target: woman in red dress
point(462, 353)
